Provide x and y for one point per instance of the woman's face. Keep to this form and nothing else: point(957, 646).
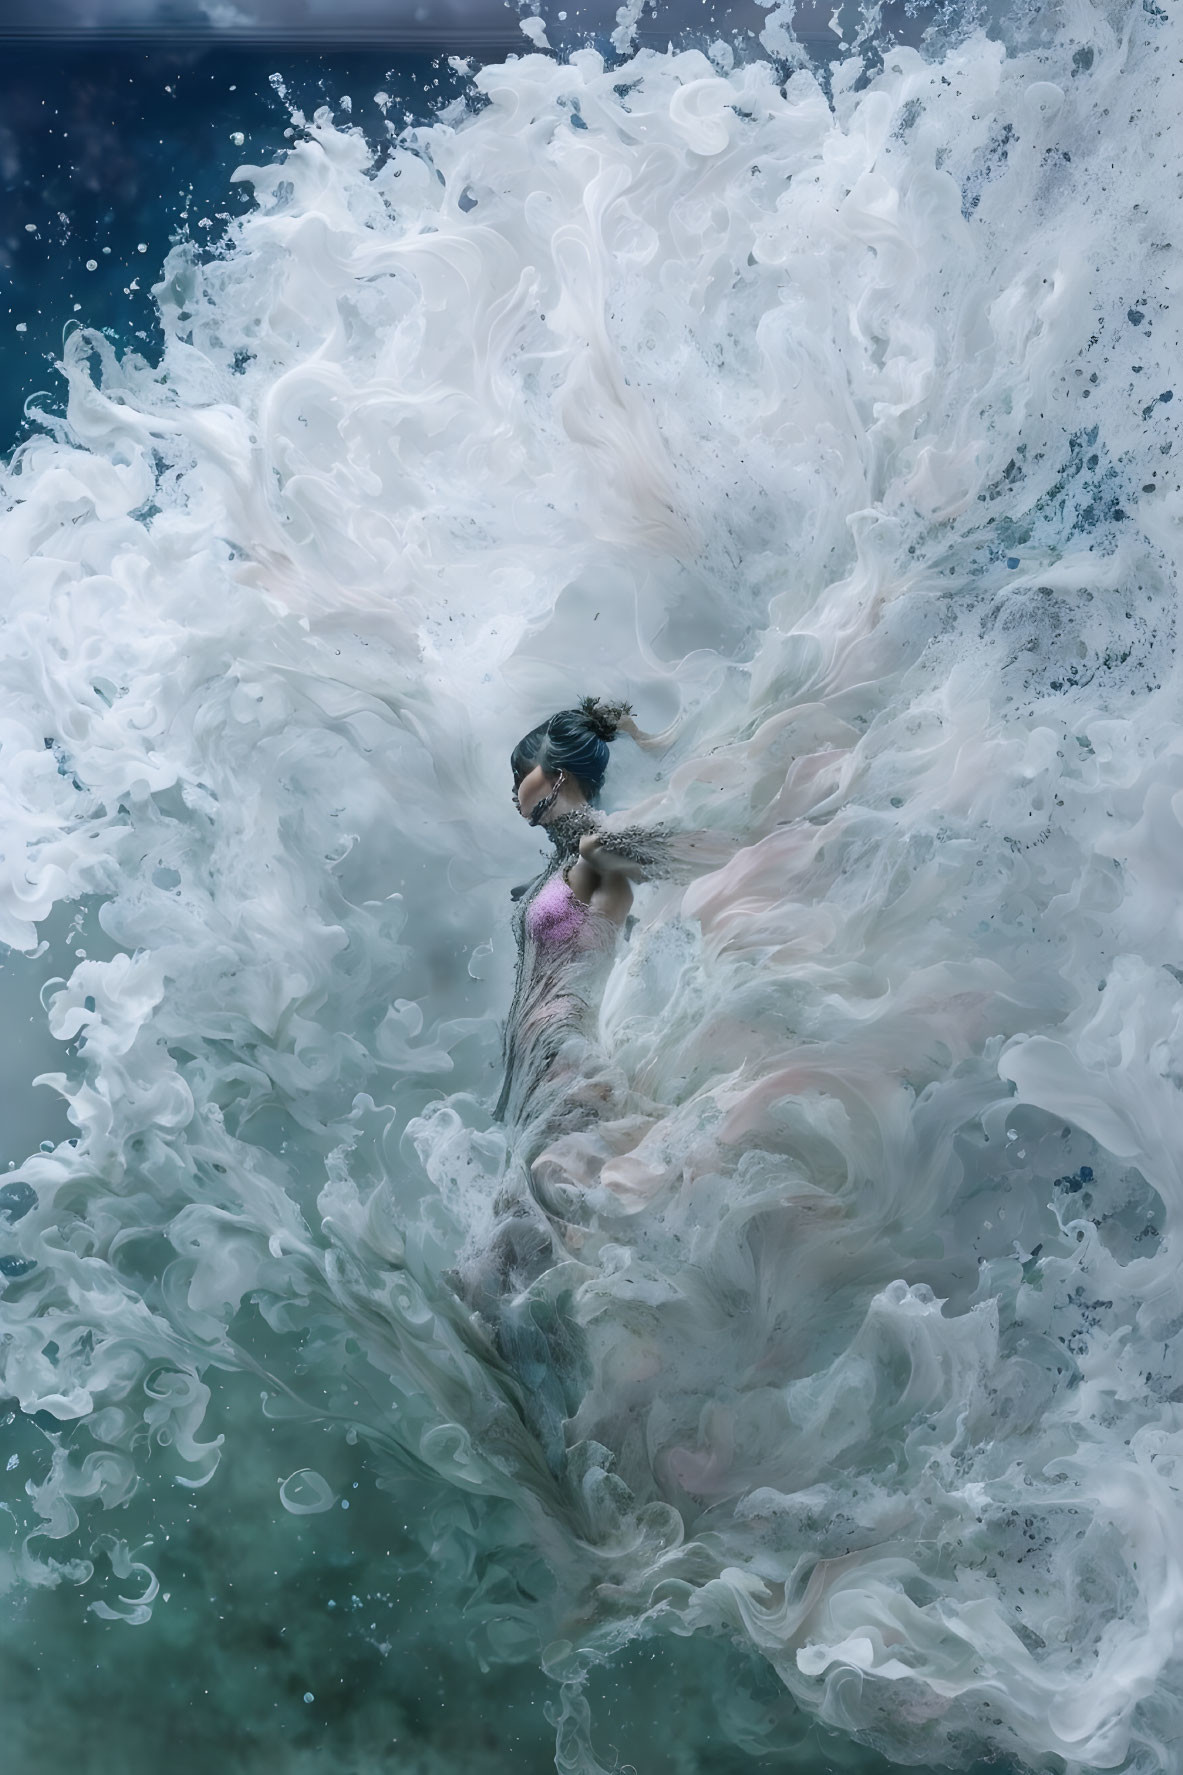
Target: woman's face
point(529, 790)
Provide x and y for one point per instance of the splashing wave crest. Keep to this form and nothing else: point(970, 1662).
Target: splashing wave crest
point(835, 429)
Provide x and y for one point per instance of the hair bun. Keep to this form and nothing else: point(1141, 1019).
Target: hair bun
point(604, 718)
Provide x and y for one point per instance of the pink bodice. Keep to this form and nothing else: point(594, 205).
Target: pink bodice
point(555, 915)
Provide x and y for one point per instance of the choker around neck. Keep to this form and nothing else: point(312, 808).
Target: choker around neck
point(565, 830)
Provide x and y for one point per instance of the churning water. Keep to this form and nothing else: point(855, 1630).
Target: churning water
point(830, 416)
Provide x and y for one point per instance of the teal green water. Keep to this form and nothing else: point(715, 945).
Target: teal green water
point(326, 1645)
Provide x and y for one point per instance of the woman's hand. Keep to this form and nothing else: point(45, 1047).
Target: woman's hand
point(606, 861)
point(648, 742)
point(591, 849)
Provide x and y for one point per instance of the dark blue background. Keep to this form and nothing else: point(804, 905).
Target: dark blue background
point(106, 142)
point(104, 145)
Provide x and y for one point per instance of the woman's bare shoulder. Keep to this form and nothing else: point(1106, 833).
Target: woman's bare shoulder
point(608, 894)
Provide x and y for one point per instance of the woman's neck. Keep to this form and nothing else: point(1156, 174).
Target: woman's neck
point(567, 828)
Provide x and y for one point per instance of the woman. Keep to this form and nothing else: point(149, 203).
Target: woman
point(568, 922)
point(569, 917)
point(559, 1087)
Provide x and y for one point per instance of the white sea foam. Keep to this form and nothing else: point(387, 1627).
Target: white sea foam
point(838, 430)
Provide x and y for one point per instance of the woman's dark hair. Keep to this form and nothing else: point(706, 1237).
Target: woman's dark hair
point(574, 740)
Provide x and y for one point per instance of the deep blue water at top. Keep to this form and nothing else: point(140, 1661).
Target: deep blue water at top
point(109, 153)
point(112, 150)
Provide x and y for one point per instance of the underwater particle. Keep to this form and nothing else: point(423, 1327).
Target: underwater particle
point(237, 137)
point(308, 1695)
point(22, 326)
point(92, 264)
point(141, 246)
point(305, 1493)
